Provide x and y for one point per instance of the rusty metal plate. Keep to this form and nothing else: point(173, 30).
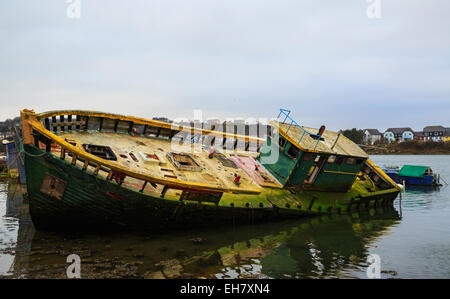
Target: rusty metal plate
point(53, 187)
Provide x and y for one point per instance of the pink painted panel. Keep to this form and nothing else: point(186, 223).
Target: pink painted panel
point(254, 169)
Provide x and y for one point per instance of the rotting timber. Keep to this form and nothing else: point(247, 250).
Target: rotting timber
point(93, 170)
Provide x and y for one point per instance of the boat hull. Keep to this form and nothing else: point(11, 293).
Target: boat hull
point(427, 180)
point(91, 203)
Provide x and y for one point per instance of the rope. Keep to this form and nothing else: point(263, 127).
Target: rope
point(34, 156)
point(13, 161)
point(16, 138)
point(17, 185)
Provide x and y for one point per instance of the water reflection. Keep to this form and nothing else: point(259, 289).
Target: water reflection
point(313, 247)
point(318, 247)
point(420, 198)
point(422, 189)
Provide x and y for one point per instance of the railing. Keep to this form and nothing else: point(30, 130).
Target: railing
point(60, 121)
point(286, 113)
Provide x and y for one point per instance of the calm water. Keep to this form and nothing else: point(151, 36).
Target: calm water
point(412, 240)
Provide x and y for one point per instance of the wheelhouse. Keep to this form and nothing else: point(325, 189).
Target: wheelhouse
point(311, 159)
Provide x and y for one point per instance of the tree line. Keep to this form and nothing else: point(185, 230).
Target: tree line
point(7, 124)
point(355, 135)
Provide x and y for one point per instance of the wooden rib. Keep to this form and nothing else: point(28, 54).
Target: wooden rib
point(63, 154)
point(143, 186)
point(97, 169)
point(86, 164)
point(154, 123)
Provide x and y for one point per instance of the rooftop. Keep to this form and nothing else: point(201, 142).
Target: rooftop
point(330, 142)
point(373, 131)
point(434, 129)
point(399, 130)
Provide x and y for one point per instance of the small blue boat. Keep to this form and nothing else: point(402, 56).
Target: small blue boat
point(413, 175)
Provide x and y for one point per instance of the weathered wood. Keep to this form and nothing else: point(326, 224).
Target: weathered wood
point(55, 129)
point(164, 191)
point(97, 169)
point(47, 123)
point(86, 164)
point(62, 155)
point(62, 120)
point(143, 186)
point(78, 119)
point(67, 123)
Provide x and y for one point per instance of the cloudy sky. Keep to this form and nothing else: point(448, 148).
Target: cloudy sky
point(325, 60)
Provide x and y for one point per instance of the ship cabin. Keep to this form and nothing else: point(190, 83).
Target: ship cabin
point(311, 159)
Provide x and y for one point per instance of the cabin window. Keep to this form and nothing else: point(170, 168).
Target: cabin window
point(339, 160)
point(359, 161)
point(331, 159)
point(293, 152)
point(350, 161)
point(104, 152)
point(308, 156)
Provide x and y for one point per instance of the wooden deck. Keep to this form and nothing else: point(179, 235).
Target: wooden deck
point(150, 155)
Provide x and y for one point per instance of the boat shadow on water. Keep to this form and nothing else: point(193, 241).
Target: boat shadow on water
point(322, 246)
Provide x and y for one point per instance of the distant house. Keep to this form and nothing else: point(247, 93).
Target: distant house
point(398, 134)
point(434, 133)
point(372, 135)
point(446, 137)
point(419, 136)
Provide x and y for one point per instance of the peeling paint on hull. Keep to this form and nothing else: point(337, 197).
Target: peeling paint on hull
point(93, 203)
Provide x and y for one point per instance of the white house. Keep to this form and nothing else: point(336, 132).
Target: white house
point(372, 135)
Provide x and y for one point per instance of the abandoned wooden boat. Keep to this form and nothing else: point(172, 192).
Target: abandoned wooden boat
point(93, 170)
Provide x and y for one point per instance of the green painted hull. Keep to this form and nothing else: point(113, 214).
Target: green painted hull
point(91, 203)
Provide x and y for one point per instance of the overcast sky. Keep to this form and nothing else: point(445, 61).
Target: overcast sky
point(325, 60)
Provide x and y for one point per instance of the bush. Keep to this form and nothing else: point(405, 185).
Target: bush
point(355, 135)
point(424, 146)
